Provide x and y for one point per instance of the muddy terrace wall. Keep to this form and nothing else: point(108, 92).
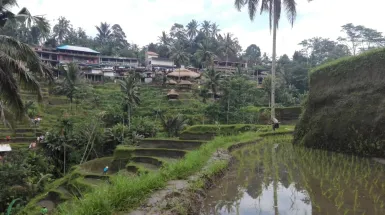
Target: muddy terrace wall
point(345, 108)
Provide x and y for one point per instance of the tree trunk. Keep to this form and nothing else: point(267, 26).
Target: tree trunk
point(228, 107)
point(273, 67)
point(64, 159)
point(123, 128)
point(129, 117)
point(227, 58)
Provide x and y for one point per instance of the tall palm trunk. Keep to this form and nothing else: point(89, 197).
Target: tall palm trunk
point(228, 109)
point(273, 66)
point(129, 117)
point(64, 159)
point(123, 127)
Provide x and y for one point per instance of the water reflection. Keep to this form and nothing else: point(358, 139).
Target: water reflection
point(289, 202)
point(287, 180)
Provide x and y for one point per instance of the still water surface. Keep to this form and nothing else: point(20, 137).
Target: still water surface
point(274, 177)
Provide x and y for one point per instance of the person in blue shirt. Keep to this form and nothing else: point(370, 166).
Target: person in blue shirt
point(105, 170)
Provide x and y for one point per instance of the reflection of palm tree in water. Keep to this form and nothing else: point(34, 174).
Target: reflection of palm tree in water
point(275, 181)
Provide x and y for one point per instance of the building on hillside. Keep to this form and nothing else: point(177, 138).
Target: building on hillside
point(84, 57)
point(259, 73)
point(229, 66)
point(66, 54)
point(119, 61)
point(154, 62)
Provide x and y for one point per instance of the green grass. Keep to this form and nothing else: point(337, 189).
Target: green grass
point(124, 194)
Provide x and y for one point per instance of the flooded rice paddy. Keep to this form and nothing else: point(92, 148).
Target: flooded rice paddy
point(274, 177)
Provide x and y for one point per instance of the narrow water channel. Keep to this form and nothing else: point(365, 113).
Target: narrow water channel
point(274, 177)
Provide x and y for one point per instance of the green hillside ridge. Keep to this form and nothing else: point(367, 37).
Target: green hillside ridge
point(344, 111)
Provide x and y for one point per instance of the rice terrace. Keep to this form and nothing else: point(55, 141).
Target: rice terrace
point(192, 107)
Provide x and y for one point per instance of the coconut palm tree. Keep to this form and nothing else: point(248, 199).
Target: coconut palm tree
point(164, 39)
point(212, 80)
point(23, 16)
point(192, 29)
point(179, 55)
point(215, 30)
point(62, 29)
point(20, 67)
point(173, 124)
point(104, 32)
point(227, 45)
point(206, 28)
point(71, 84)
point(204, 54)
point(130, 90)
point(274, 8)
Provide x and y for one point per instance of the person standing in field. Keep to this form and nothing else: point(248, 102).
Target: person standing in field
point(105, 170)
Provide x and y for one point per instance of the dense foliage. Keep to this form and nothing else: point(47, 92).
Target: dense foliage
point(22, 175)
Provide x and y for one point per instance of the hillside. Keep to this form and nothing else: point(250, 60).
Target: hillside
point(344, 111)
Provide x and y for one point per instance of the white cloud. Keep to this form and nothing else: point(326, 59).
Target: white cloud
point(143, 20)
point(319, 18)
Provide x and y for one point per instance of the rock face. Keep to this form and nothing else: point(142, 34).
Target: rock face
point(345, 108)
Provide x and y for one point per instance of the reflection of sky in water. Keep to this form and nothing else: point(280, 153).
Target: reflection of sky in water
point(290, 202)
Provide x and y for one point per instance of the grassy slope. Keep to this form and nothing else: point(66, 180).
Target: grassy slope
point(345, 108)
point(123, 194)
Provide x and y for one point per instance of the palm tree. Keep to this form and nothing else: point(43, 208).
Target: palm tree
point(215, 30)
point(204, 54)
point(130, 90)
point(104, 32)
point(72, 82)
point(23, 16)
point(206, 28)
point(212, 80)
point(164, 39)
point(19, 67)
point(62, 29)
point(192, 29)
point(227, 45)
point(173, 124)
point(273, 7)
point(179, 55)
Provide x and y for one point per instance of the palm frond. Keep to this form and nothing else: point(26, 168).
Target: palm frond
point(22, 52)
point(291, 11)
point(239, 4)
point(9, 90)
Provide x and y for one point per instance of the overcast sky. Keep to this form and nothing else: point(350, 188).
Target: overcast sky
point(144, 20)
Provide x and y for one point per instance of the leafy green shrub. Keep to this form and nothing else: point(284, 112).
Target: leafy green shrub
point(144, 126)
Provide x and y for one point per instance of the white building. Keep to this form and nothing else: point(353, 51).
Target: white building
point(154, 61)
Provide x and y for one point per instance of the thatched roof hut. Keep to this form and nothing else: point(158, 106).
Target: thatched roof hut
point(185, 84)
point(171, 82)
point(183, 73)
point(172, 94)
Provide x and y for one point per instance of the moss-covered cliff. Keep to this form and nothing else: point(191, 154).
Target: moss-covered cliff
point(345, 108)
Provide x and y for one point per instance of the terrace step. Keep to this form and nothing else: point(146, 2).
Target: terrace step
point(141, 167)
point(171, 144)
point(148, 160)
point(19, 140)
point(159, 152)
